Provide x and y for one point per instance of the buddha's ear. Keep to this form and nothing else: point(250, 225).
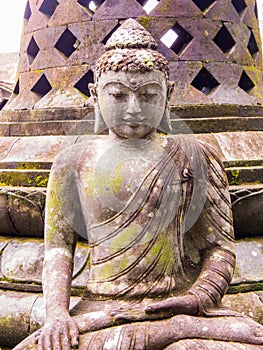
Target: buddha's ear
point(93, 92)
point(100, 125)
point(170, 90)
point(165, 124)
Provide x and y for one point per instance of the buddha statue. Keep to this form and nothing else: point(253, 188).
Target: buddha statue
point(156, 213)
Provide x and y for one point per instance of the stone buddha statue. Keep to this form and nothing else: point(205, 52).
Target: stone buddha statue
point(156, 212)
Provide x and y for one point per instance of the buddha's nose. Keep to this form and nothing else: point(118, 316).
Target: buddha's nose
point(133, 105)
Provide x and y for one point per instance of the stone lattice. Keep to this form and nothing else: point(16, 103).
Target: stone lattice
point(215, 59)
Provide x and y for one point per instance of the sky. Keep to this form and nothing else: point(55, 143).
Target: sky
point(11, 22)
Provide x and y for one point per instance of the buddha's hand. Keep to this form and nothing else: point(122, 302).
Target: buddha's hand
point(59, 333)
point(185, 304)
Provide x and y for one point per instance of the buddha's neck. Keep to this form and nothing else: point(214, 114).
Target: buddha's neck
point(134, 142)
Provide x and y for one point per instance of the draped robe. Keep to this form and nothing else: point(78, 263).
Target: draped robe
point(173, 236)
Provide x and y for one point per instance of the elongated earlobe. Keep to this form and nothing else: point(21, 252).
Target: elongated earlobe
point(100, 125)
point(165, 124)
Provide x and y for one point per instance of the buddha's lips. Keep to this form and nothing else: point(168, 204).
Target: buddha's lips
point(133, 125)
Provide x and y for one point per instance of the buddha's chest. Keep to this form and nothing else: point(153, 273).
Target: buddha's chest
point(109, 182)
point(114, 178)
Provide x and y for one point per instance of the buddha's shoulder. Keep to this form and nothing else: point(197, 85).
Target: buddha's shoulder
point(195, 143)
point(199, 149)
point(69, 156)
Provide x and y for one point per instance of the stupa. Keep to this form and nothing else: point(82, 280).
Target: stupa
point(215, 54)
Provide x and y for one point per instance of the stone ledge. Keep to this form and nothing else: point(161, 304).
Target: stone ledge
point(86, 126)
point(20, 315)
point(21, 263)
point(18, 268)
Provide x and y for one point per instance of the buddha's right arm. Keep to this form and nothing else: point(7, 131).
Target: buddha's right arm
point(60, 242)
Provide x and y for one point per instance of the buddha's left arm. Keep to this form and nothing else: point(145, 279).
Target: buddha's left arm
point(214, 236)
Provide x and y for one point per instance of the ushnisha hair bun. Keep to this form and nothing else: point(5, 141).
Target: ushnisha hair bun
point(131, 48)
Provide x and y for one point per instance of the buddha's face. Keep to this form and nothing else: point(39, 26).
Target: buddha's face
point(132, 104)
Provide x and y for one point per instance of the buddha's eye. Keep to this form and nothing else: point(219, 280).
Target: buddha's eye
point(147, 95)
point(117, 95)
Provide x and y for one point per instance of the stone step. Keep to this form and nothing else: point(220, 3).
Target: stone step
point(47, 128)
point(36, 174)
point(25, 177)
point(21, 262)
point(86, 126)
point(78, 121)
point(216, 125)
point(22, 211)
point(247, 206)
point(20, 165)
point(245, 175)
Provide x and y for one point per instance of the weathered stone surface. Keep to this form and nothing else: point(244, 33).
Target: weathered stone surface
point(69, 12)
point(173, 9)
point(113, 9)
point(247, 205)
point(213, 125)
point(34, 149)
point(15, 311)
point(224, 11)
point(245, 175)
point(23, 210)
point(7, 226)
point(241, 146)
point(247, 303)
point(255, 123)
point(249, 261)
point(23, 261)
point(23, 178)
point(45, 115)
point(20, 315)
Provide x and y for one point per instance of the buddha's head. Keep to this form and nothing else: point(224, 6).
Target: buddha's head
point(132, 90)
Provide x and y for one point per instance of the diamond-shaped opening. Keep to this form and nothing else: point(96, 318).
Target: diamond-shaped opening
point(48, 7)
point(82, 84)
point(203, 4)
point(28, 12)
point(91, 5)
point(245, 83)
point(42, 86)
point(204, 82)
point(3, 102)
point(252, 45)
point(176, 38)
point(224, 39)
point(17, 88)
point(148, 5)
point(239, 5)
point(104, 41)
point(32, 50)
point(67, 43)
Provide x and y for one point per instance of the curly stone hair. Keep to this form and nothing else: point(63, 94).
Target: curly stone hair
point(131, 48)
